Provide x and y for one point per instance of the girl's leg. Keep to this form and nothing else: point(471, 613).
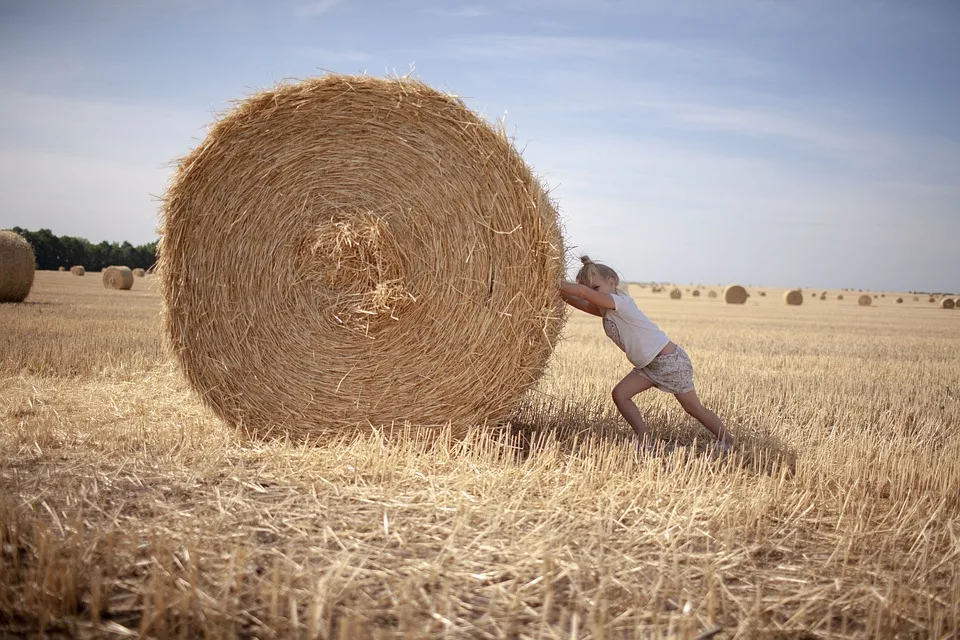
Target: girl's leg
point(691, 404)
point(623, 393)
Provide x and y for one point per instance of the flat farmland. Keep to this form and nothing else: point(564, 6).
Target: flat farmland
point(127, 508)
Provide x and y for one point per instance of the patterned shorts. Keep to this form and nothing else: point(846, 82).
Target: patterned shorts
point(672, 372)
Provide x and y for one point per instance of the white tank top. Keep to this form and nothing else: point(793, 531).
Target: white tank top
point(632, 331)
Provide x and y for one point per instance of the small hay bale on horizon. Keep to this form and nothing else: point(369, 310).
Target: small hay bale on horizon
point(696, 293)
point(391, 209)
point(735, 294)
point(77, 270)
point(916, 298)
point(793, 297)
point(947, 303)
point(17, 267)
point(864, 300)
point(61, 268)
point(899, 300)
point(118, 277)
point(139, 273)
point(675, 294)
point(839, 296)
point(711, 294)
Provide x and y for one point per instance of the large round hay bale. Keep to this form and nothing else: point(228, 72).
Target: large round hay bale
point(735, 294)
point(350, 252)
point(711, 294)
point(675, 294)
point(947, 303)
point(17, 266)
point(793, 297)
point(864, 300)
point(115, 277)
point(139, 273)
point(77, 270)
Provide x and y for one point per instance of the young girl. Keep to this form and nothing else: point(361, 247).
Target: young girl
point(657, 361)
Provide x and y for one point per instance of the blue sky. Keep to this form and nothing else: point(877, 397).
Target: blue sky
point(807, 143)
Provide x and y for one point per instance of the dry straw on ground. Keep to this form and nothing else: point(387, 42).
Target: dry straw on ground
point(407, 261)
point(947, 303)
point(17, 266)
point(77, 270)
point(793, 297)
point(139, 273)
point(735, 294)
point(864, 300)
point(116, 277)
point(675, 294)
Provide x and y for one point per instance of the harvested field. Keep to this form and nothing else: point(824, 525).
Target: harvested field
point(127, 508)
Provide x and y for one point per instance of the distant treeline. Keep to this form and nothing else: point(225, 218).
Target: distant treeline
point(52, 251)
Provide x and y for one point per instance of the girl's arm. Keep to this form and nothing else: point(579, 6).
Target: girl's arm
point(597, 299)
point(581, 304)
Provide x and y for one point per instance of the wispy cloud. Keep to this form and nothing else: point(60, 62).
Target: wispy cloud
point(319, 7)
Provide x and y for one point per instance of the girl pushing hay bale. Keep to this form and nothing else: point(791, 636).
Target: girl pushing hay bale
point(118, 278)
point(17, 267)
point(407, 261)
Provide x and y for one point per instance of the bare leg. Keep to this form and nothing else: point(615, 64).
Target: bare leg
point(623, 393)
point(691, 404)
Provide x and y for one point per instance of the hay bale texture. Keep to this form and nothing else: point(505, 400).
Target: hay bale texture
point(947, 303)
point(17, 267)
point(77, 270)
point(864, 300)
point(115, 277)
point(347, 252)
point(735, 294)
point(793, 297)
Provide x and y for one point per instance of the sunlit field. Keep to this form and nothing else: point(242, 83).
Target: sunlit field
point(126, 508)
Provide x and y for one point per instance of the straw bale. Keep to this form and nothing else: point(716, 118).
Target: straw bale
point(139, 273)
point(115, 277)
point(763, 294)
point(864, 300)
point(407, 262)
point(675, 294)
point(77, 270)
point(61, 268)
point(916, 298)
point(711, 294)
point(735, 294)
point(839, 296)
point(931, 299)
point(696, 293)
point(793, 297)
point(17, 266)
point(947, 303)
point(899, 300)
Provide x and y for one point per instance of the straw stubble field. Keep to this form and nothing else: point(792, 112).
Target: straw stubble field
point(127, 508)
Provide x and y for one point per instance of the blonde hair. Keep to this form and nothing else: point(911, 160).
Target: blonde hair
point(591, 270)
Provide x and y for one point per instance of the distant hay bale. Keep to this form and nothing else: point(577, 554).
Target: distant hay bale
point(675, 294)
point(115, 277)
point(864, 300)
point(61, 268)
point(711, 294)
point(916, 298)
point(735, 294)
point(793, 297)
point(947, 303)
point(932, 300)
point(349, 252)
point(77, 270)
point(823, 296)
point(899, 300)
point(839, 296)
point(696, 293)
point(17, 267)
point(763, 294)
point(139, 273)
